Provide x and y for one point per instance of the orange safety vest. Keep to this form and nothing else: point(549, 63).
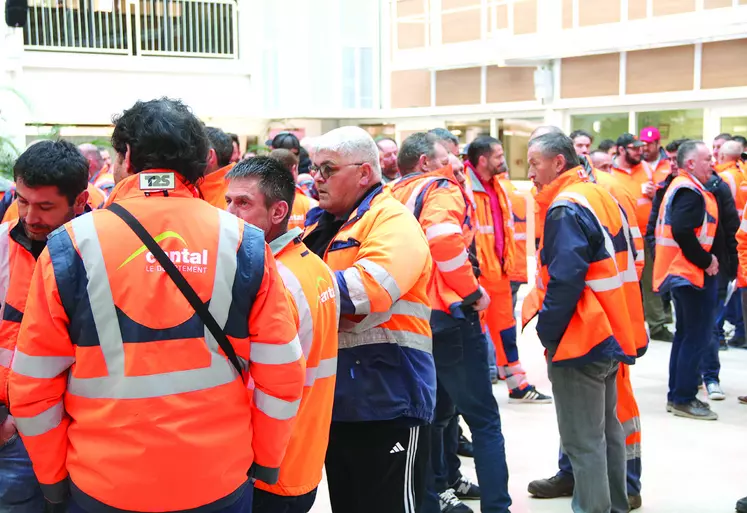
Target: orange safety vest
point(96, 199)
point(611, 184)
point(519, 207)
point(634, 179)
point(742, 251)
point(492, 267)
point(123, 390)
point(315, 300)
point(734, 177)
point(443, 211)
point(16, 268)
point(301, 206)
point(103, 180)
point(610, 310)
point(671, 268)
point(213, 187)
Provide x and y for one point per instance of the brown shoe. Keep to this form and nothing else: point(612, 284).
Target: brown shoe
point(634, 501)
point(742, 399)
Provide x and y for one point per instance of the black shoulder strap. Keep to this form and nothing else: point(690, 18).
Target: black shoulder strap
point(180, 281)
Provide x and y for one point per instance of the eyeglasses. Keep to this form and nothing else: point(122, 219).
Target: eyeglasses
point(327, 170)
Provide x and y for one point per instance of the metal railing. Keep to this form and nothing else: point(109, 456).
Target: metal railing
point(189, 28)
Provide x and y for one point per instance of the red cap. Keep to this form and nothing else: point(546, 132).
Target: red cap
point(650, 134)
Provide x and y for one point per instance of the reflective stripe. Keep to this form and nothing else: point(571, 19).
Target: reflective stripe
point(635, 232)
point(665, 241)
point(643, 201)
point(6, 356)
point(442, 229)
point(520, 236)
point(631, 426)
point(413, 199)
point(386, 336)
point(115, 385)
point(633, 451)
point(305, 321)
point(453, 264)
point(401, 307)
point(41, 367)
point(640, 256)
point(485, 229)
point(383, 277)
point(326, 368)
point(276, 354)
point(729, 179)
point(412, 309)
point(43, 422)
point(356, 290)
point(743, 225)
point(274, 407)
point(4, 265)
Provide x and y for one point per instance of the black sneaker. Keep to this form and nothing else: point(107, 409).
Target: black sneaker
point(529, 395)
point(449, 503)
point(465, 489)
point(465, 447)
point(663, 335)
point(695, 409)
point(742, 505)
point(738, 342)
point(722, 345)
point(559, 485)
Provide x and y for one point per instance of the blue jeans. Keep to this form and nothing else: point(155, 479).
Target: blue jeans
point(693, 335)
point(731, 312)
point(461, 356)
point(19, 489)
point(242, 505)
point(266, 502)
point(710, 365)
point(492, 362)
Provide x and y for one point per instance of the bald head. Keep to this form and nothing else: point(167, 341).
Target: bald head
point(730, 152)
point(458, 167)
point(544, 130)
point(93, 155)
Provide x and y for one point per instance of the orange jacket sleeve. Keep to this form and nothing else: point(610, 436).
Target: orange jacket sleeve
point(441, 219)
point(38, 380)
point(277, 369)
point(742, 244)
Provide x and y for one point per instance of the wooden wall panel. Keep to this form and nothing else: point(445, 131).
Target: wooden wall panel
point(595, 75)
point(411, 88)
point(460, 26)
point(511, 84)
point(410, 7)
point(717, 4)
point(458, 87)
point(525, 17)
point(721, 66)
point(501, 16)
point(636, 9)
point(410, 35)
point(455, 4)
point(591, 13)
point(567, 14)
point(661, 70)
point(666, 7)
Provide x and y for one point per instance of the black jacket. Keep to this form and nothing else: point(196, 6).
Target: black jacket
point(725, 242)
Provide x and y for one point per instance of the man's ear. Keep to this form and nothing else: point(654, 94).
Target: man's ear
point(128, 162)
point(79, 205)
point(367, 178)
point(279, 212)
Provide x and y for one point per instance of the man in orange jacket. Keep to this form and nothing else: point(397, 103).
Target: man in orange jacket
point(198, 399)
point(99, 174)
point(213, 184)
point(301, 202)
point(261, 192)
point(51, 179)
point(590, 317)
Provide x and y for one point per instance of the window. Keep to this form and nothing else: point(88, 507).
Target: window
point(357, 78)
point(673, 124)
point(601, 126)
point(734, 126)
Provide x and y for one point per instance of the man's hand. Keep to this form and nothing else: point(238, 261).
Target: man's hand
point(713, 268)
point(648, 189)
point(483, 302)
point(7, 429)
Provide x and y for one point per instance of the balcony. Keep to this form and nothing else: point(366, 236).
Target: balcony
point(170, 28)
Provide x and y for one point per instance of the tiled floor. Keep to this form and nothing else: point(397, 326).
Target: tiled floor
point(688, 465)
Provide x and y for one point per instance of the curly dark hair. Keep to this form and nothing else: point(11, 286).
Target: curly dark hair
point(222, 143)
point(58, 163)
point(162, 134)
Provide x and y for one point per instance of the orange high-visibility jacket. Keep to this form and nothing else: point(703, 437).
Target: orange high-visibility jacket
point(608, 320)
point(671, 268)
point(117, 383)
point(214, 185)
point(733, 176)
point(315, 300)
point(634, 179)
point(492, 267)
point(16, 268)
point(96, 199)
point(103, 180)
point(301, 206)
point(612, 185)
point(383, 266)
point(519, 207)
point(442, 210)
point(742, 251)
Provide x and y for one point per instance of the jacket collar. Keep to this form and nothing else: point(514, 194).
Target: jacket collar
point(474, 180)
point(130, 188)
point(726, 166)
point(548, 194)
point(278, 245)
point(444, 172)
point(314, 215)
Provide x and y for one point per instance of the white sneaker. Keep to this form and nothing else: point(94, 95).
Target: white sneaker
point(450, 503)
point(715, 393)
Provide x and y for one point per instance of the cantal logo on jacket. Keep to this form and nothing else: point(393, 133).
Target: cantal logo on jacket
point(327, 292)
point(185, 260)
